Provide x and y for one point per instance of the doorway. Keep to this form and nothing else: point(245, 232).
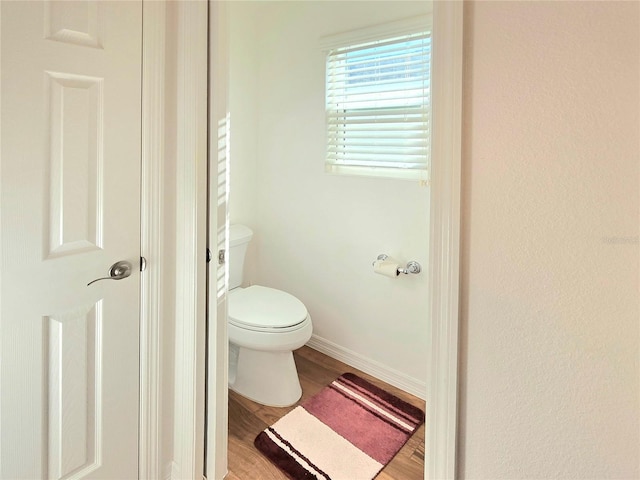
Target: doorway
point(443, 250)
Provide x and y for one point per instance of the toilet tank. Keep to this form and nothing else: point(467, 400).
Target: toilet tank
point(239, 238)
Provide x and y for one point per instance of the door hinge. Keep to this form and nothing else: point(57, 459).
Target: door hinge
point(221, 256)
point(143, 264)
point(208, 255)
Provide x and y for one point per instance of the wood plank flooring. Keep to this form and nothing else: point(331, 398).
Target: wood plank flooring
point(316, 370)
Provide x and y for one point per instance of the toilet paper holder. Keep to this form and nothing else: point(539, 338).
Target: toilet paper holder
point(412, 266)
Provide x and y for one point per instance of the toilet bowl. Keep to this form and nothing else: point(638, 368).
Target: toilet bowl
point(265, 325)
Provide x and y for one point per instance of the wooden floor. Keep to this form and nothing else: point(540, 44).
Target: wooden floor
point(316, 370)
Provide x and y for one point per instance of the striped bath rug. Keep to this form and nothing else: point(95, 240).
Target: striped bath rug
point(349, 430)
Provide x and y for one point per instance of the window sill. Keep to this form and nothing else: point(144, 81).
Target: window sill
point(380, 172)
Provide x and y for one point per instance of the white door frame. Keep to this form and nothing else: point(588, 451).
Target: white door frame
point(191, 239)
point(152, 213)
point(190, 206)
point(444, 255)
point(442, 381)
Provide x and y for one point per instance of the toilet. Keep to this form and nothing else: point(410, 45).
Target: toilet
point(265, 325)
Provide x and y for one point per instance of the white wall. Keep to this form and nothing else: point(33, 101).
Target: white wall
point(243, 103)
point(317, 234)
point(550, 318)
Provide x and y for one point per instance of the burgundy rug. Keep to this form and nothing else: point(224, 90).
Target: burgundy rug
point(348, 431)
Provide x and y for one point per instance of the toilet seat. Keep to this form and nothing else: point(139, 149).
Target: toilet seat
point(265, 309)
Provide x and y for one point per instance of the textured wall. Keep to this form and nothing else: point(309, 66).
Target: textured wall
point(550, 318)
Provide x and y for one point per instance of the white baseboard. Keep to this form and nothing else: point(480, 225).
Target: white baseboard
point(376, 369)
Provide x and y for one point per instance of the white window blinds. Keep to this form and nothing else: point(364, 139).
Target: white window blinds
point(378, 107)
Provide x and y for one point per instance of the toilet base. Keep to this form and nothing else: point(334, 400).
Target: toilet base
point(267, 377)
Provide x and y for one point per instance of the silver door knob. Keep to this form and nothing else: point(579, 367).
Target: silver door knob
point(118, 271)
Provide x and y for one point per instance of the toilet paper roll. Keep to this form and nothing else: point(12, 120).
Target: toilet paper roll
point(388, 268)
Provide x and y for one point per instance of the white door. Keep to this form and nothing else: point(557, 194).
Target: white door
point(70, 132)
point(219, 121)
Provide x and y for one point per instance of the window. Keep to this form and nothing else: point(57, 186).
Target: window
point(378, 106)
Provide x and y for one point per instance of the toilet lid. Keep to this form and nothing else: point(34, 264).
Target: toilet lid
point(265, 307)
